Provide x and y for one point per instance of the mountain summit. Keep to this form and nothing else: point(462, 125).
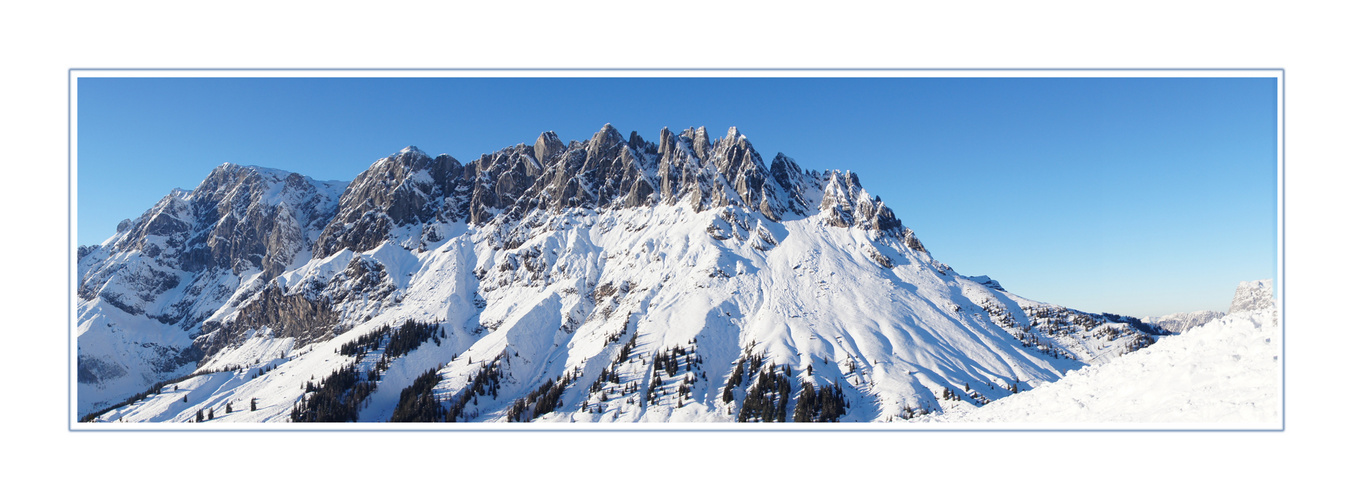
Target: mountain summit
point(613, 279)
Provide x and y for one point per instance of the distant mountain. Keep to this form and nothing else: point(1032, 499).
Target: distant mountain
point(1180, 322)
point(614, 279)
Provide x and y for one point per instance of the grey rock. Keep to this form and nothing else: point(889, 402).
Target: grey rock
point(85, 250)
point(405, 188)
point(547, 147)
point(287, 315)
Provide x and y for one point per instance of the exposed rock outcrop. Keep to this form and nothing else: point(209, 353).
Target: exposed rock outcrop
point(1253, 296)
point(608, 171)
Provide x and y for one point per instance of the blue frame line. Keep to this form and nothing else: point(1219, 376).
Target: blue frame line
point(1284, 317)
point(70, 264)
point(70, 226)
point(826, 70)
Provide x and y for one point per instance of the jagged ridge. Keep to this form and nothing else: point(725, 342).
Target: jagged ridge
point(606, 172)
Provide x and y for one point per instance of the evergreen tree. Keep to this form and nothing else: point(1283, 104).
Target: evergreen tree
point(735, 380)
point(336, 398)
point(417, 402)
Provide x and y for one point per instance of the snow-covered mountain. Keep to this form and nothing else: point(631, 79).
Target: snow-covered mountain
point(1224, 372)
point(148, 293)
point(608, 280)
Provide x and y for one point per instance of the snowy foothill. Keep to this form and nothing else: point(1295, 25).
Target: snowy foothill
point(1224, 374)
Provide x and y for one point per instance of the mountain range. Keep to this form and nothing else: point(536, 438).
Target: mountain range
point(609, 280)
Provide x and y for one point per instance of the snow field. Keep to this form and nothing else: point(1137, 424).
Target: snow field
point(1226, 372)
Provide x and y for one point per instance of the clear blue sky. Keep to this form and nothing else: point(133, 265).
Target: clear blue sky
point(1138, 196)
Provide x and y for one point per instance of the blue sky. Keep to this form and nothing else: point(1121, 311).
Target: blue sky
point(1137, 196)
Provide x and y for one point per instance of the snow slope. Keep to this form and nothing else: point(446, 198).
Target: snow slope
point(894, 337)
point(1226, 373)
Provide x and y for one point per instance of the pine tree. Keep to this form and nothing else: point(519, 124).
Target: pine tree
point(199, 417)
point(210, 414)
point(253, 404)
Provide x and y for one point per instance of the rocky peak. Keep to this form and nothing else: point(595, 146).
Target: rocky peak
point(741, 167)
point(404, 188)
point(699, 140)
point(412, 151)
point(604, 139)
point(256, 217)
point(846, 204)
point(1253, 296)
point(547, 147)
point(399, 166)
point(228, 189)
point(676, 165)
point(239, 219)
point(640, 145)
point(785, 171)
point(793, 181)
